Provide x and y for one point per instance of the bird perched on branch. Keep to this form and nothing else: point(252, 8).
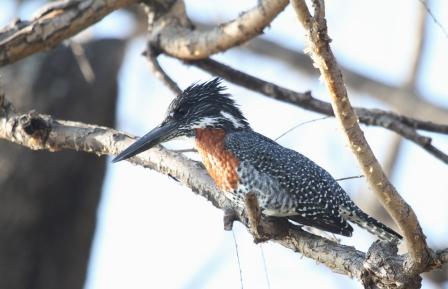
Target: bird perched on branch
point(241, 161)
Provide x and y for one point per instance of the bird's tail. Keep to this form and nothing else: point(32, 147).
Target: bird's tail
point(375, 227)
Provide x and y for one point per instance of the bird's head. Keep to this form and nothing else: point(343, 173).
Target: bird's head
point(199, 106)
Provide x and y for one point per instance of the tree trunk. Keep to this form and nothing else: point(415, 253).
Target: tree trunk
point(48, 201)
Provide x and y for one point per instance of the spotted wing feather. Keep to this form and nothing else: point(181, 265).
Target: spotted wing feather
point(287, 183)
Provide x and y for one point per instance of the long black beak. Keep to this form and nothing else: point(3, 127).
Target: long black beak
point(152, 138)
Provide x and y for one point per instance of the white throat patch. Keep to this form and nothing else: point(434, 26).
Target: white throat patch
point(204, 122)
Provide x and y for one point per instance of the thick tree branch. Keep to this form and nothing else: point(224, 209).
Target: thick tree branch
point(323, 57)
point(403, 125)
point(173, 32)
point(56, 22)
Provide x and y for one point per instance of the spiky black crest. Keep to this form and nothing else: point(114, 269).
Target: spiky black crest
point(206, 105)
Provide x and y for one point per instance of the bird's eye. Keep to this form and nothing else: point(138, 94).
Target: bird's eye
point(181, 111)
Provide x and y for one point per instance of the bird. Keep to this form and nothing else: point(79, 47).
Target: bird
point(286, 183)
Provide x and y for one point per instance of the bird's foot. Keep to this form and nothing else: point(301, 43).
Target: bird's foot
point(253, 214)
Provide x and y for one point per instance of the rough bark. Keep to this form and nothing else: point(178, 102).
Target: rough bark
point(173, 31)
point(52, 24)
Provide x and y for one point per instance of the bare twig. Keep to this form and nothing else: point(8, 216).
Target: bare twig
point(400, 211)
point(350, 178)
point(420, 47)
point(55, 23)
point(158, 71)
point(238, 259)
point(192, 150)
point(403, 125)
point(172, 33)
point(265, 267)
point(433, 17)
point(83, 62)
point(410, 84)
point(395, 145)
point(299, 125)
point(401, 100)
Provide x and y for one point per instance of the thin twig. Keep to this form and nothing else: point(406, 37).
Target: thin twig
point(238, 259)
point(419, 49)
point(265, 267)
point(158, 71)
point(349, 178)
point(410, 84)
point(434, 18)
point(192, 150)
point(83, 61)
point(299, 125)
